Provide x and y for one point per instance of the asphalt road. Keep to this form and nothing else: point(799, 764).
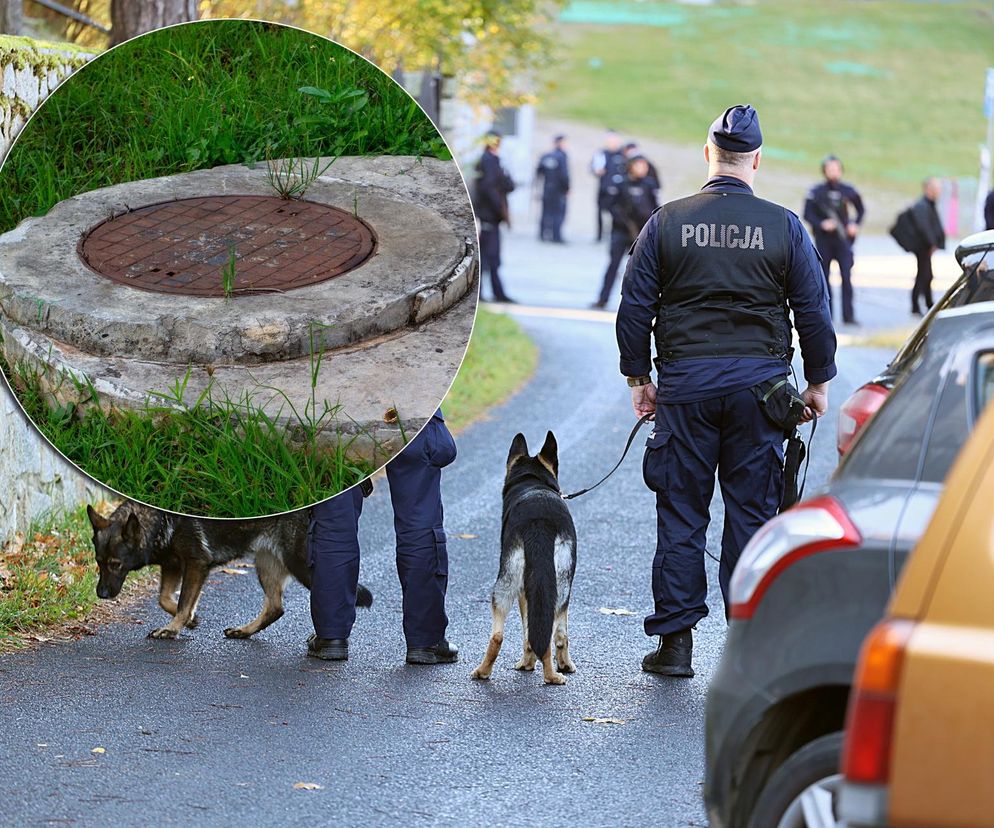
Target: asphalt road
point(206, 731)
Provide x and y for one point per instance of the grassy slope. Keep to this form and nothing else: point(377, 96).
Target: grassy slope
point(499, 360)
point(894, 87)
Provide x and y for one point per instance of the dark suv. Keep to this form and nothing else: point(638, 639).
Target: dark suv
point(815, 579)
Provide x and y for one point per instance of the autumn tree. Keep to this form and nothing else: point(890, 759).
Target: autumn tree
point(494, 48)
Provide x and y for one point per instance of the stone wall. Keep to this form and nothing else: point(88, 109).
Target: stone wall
point(33, 477)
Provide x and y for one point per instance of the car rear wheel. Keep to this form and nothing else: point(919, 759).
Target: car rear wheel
point(803, 792)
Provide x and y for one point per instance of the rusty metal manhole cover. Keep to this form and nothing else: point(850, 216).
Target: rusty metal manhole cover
point(186, 246)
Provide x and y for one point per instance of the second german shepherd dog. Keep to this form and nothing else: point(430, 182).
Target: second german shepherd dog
point(537, 562)
point(187, 549)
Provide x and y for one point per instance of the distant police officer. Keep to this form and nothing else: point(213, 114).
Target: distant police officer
point(490, 191)
point(608, 164)
point(414, 475)
point(712, 276)
point(631, 205)
point(834, 209)
point(553, 170)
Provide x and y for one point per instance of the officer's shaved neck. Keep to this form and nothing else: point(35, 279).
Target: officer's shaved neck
point(740, 165)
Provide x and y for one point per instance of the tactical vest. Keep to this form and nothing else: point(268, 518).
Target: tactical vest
point(723, 266)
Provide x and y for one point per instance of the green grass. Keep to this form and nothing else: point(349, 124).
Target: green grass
point(213, 456)
point(47, 577)
point(192, 97)
point(895, 88)
point(499, 360)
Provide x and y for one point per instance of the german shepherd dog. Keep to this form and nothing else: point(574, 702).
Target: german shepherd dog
point(537, 562)
point(187, 549)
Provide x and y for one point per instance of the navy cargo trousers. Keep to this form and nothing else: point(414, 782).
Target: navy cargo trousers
point(689, 443)
point(414, 476)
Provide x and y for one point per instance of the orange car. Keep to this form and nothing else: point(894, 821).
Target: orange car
point(919, 747)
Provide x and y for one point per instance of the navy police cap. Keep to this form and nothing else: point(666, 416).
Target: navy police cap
point(737, 129)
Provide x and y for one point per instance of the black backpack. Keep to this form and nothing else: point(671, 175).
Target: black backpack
point(905, 232)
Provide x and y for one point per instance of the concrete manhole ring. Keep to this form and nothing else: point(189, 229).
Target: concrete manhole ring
point(271, 245)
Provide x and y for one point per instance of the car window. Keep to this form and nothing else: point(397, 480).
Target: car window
point(949, 429)
point(983, 382)
point(952, 419)
point(890, 446)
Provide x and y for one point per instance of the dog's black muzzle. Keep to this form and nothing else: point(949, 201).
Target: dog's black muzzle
point(109, 586)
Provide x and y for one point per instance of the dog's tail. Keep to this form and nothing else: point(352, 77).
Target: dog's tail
point(363, 597)
point(540, 588)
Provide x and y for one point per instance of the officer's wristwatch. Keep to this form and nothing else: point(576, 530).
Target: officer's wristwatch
point(635, 382)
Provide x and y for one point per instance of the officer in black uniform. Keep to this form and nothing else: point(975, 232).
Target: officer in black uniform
point(608, 164)
point(414, 475)
point(631, 205)
point(834, 209)
point(714, 277)
point(553, 170)
point(490, 191)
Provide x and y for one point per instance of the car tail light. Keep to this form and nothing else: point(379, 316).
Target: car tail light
point(870, 719)
point(856, 411)
point(813, 526)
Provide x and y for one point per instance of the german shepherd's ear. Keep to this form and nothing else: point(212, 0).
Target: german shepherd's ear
point(549, 455)
point(97, 521)
point(133, 530)
point(519, 448)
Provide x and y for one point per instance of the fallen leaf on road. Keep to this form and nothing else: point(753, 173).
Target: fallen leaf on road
point(229, 571)
point(466, 536)
point(615, 611)
point(602, 720)
point(307, 786)
point(98, 750)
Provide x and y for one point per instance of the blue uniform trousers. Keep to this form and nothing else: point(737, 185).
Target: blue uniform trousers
point(333, 553)
point(689, 442)
point(829, 248)
point(490, 258)
point(414, 476)
point(621, 243)
point(553, 215)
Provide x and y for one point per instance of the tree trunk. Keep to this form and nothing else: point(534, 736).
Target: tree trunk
point(11, 17)
point(130, 18)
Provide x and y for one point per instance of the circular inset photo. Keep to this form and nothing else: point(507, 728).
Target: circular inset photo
point(238, 268)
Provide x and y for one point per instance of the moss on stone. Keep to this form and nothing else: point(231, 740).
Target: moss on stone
point(41, 56)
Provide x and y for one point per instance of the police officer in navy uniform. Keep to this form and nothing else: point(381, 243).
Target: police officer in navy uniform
point(631, 205)
point(714, 277)
point(608, 164)
point(553, 169)
point(414, 475)
point(834, 209)
point(489, 194)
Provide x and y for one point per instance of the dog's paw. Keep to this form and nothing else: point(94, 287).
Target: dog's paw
point(236, 632)
point(525, 664)
point(480, 674)
point(193, 623)
point(555, 678)
point(163, 632)
point(566, 667)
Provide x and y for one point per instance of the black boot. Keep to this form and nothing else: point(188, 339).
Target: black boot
point(441, 653)
point(328, 649)
point(672, 657)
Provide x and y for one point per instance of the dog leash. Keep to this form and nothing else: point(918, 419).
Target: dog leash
point(628, 445)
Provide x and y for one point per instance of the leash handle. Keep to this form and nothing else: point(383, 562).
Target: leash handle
point(628, 445)
point(807, 458)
